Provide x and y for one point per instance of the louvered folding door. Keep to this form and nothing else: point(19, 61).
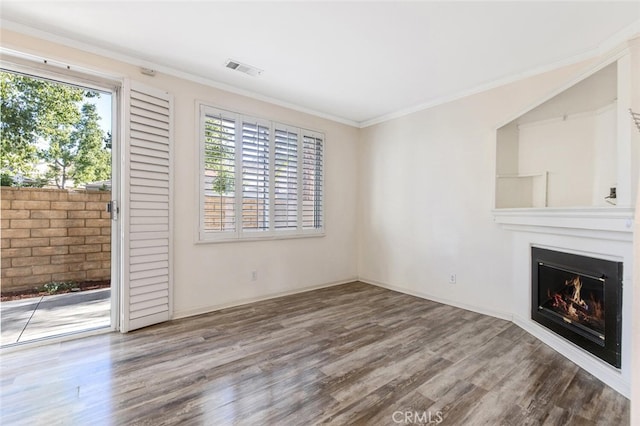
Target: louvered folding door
point(147, 227)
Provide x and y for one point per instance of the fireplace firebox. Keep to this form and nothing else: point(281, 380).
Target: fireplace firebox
point(579, 298)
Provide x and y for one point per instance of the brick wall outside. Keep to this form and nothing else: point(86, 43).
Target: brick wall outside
point(53, 235)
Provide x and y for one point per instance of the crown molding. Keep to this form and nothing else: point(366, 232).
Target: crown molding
point(131, 60)
point(603, 48)
point(621, 36)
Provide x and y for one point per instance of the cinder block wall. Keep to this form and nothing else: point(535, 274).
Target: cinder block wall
point(53, 235)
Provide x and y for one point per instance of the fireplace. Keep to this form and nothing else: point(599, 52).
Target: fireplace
point(579, 298)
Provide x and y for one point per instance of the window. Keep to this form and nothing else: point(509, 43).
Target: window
point(258, 179)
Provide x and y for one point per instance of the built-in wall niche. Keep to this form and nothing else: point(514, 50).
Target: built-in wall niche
point(564, 152)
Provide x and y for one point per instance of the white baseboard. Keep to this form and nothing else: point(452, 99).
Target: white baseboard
point(498, 314)
point(211, 308)
point(603, 371)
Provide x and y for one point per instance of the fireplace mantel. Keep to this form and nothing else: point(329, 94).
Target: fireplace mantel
point(606, 223)
point(572, 216)
point(598, 232)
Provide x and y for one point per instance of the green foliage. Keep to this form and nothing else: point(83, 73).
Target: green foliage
point(6, 179)
point(38, 182)
point(31, 108)
point(59, 286)
point(77, 152)
point(53, 122)
point(222, 182)
point(219, 157)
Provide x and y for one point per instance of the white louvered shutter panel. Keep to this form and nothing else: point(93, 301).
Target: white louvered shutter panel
point(219, 172)
point(286, 178)
point(312, 181)
point(147, 293)
point(255, 176)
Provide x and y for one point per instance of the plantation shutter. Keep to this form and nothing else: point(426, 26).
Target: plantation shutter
point(255, 176)
point(258, 179)
point(312, 176)
point(286, 178)
point(147, 245)
point(219, 173)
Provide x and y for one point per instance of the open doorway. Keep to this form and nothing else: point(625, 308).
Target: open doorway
point(57, 174)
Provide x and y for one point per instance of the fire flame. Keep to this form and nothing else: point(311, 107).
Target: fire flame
point(577, 286)
point(572, 304)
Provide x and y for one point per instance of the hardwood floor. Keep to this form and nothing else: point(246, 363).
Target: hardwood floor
point(351, 354)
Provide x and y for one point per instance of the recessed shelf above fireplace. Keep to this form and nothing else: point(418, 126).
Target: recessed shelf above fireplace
point(573, 150)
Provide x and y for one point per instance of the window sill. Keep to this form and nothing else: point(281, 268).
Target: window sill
point(271, 237)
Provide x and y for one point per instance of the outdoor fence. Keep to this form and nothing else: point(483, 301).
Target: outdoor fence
point(52, 235)
point(219, 212)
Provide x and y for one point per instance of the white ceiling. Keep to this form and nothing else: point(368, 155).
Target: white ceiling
point(358, 62)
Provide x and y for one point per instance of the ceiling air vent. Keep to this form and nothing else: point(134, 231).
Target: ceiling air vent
point(244, 68)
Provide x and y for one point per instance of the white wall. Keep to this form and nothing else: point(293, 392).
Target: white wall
point(605, 166)
point(565, 149)
point(207, 276)
point(426, 195)
point(426, 185)
point(512, 190)
point(578, 152)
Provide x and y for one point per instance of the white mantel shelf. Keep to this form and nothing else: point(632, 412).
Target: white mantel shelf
point(599, 232)
point(607, 223)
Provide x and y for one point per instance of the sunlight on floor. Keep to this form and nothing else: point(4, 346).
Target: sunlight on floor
point(47, 316)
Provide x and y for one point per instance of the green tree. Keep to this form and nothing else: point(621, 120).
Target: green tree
point(77, 152)
point(46, 120)
point(219, 156)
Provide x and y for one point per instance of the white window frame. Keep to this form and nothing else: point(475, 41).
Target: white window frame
point(239, 234)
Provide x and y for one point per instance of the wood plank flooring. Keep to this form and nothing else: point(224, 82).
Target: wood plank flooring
point(349, 355)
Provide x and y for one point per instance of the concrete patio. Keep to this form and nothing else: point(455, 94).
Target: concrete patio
point(46, 316)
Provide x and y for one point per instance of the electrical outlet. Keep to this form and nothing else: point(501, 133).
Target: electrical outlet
point(254, 275)
point(452, 278)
